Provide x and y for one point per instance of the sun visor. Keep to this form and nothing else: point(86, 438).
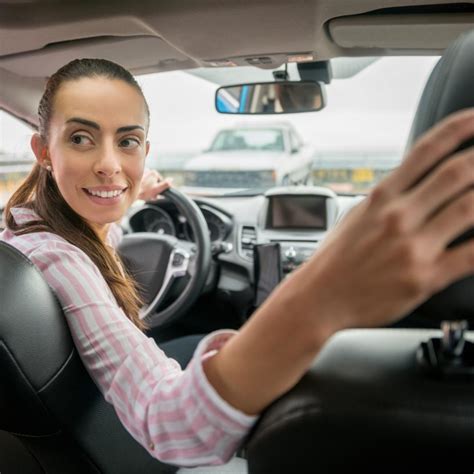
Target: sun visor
point(400, 32)
point(15, 40)
point(139, 54)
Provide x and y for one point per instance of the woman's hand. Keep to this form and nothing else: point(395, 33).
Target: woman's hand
point(390, 254)
point(153, 185)
point(386, 257)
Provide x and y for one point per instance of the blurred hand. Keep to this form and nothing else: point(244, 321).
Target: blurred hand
point(387, 256)
point(390, 253)
point(153, 185)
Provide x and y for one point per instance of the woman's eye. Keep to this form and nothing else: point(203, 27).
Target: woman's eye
point(81, 140)
point(129, 143)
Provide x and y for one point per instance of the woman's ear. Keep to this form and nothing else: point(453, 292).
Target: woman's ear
point(147, 148)
point(40, 150)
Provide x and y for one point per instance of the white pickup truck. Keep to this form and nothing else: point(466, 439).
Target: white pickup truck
point(251, 156)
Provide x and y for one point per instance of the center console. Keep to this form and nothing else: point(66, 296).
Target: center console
point(291, 225)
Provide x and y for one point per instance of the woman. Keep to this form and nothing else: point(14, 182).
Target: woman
point(384, 259)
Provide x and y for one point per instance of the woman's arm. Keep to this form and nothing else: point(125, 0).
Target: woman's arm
point(385, 258)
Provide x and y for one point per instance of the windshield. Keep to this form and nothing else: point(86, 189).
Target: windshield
point(349, 146)
point(248, 140)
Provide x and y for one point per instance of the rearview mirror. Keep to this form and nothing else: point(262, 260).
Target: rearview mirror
point(280, 97)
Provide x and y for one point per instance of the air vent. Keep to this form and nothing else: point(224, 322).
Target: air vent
point(248, 238)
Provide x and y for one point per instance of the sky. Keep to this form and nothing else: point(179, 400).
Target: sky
point(370, 112)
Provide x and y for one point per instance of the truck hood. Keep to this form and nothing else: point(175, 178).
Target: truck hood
point(235, 161)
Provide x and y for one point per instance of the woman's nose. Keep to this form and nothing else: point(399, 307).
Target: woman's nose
point(108, 164)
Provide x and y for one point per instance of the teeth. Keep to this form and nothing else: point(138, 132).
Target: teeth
point(106, 194)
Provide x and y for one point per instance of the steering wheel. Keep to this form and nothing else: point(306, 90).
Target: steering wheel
point(162, 262)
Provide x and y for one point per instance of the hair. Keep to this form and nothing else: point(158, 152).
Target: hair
point(40, 193)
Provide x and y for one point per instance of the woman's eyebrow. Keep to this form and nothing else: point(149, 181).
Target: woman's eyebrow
point(90, 123)
point(129, 128)
point(87, 123)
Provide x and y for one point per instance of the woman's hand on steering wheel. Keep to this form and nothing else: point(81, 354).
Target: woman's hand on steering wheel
point(152, 185)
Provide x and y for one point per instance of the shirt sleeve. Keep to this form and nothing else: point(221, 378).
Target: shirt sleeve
point(175, 414)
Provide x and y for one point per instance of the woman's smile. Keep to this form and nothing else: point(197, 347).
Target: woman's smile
point(105, 195)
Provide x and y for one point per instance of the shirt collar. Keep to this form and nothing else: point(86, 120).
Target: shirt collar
point(23, 215)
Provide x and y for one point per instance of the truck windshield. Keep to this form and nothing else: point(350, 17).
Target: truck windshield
point(254, 140)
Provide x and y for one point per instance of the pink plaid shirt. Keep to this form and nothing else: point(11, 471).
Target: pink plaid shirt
point(175, 414)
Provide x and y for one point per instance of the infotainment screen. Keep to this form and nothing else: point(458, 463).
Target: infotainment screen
point(297, 212)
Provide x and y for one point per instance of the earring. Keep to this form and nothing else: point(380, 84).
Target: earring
point(49, 168)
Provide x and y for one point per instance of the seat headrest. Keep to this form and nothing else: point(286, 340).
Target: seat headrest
point(34, 343)
point(449, 89)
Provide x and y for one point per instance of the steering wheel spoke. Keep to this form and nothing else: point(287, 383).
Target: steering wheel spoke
point(178, 265)
point(189, 248)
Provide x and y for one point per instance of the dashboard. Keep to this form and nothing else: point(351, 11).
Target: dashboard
point(256, 242)
point(292, 221)
point(162, 217)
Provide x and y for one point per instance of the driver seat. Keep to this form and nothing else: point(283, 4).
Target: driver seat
point(53, 418)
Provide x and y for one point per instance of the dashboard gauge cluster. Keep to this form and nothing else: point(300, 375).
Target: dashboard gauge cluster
point(153, 219)
point(218, 223)
point(156, 219)
point(217, 228)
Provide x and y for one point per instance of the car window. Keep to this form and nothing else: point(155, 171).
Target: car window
point(16, 159)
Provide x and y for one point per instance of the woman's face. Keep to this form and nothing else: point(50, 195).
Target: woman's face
point(97, 147)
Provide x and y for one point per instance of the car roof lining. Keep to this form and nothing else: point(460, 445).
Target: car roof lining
point(190, 27)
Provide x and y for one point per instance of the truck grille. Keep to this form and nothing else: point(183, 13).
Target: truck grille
point(229, 179)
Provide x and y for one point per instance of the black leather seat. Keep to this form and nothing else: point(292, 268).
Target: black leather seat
point(53, 419)
point(367, 404)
